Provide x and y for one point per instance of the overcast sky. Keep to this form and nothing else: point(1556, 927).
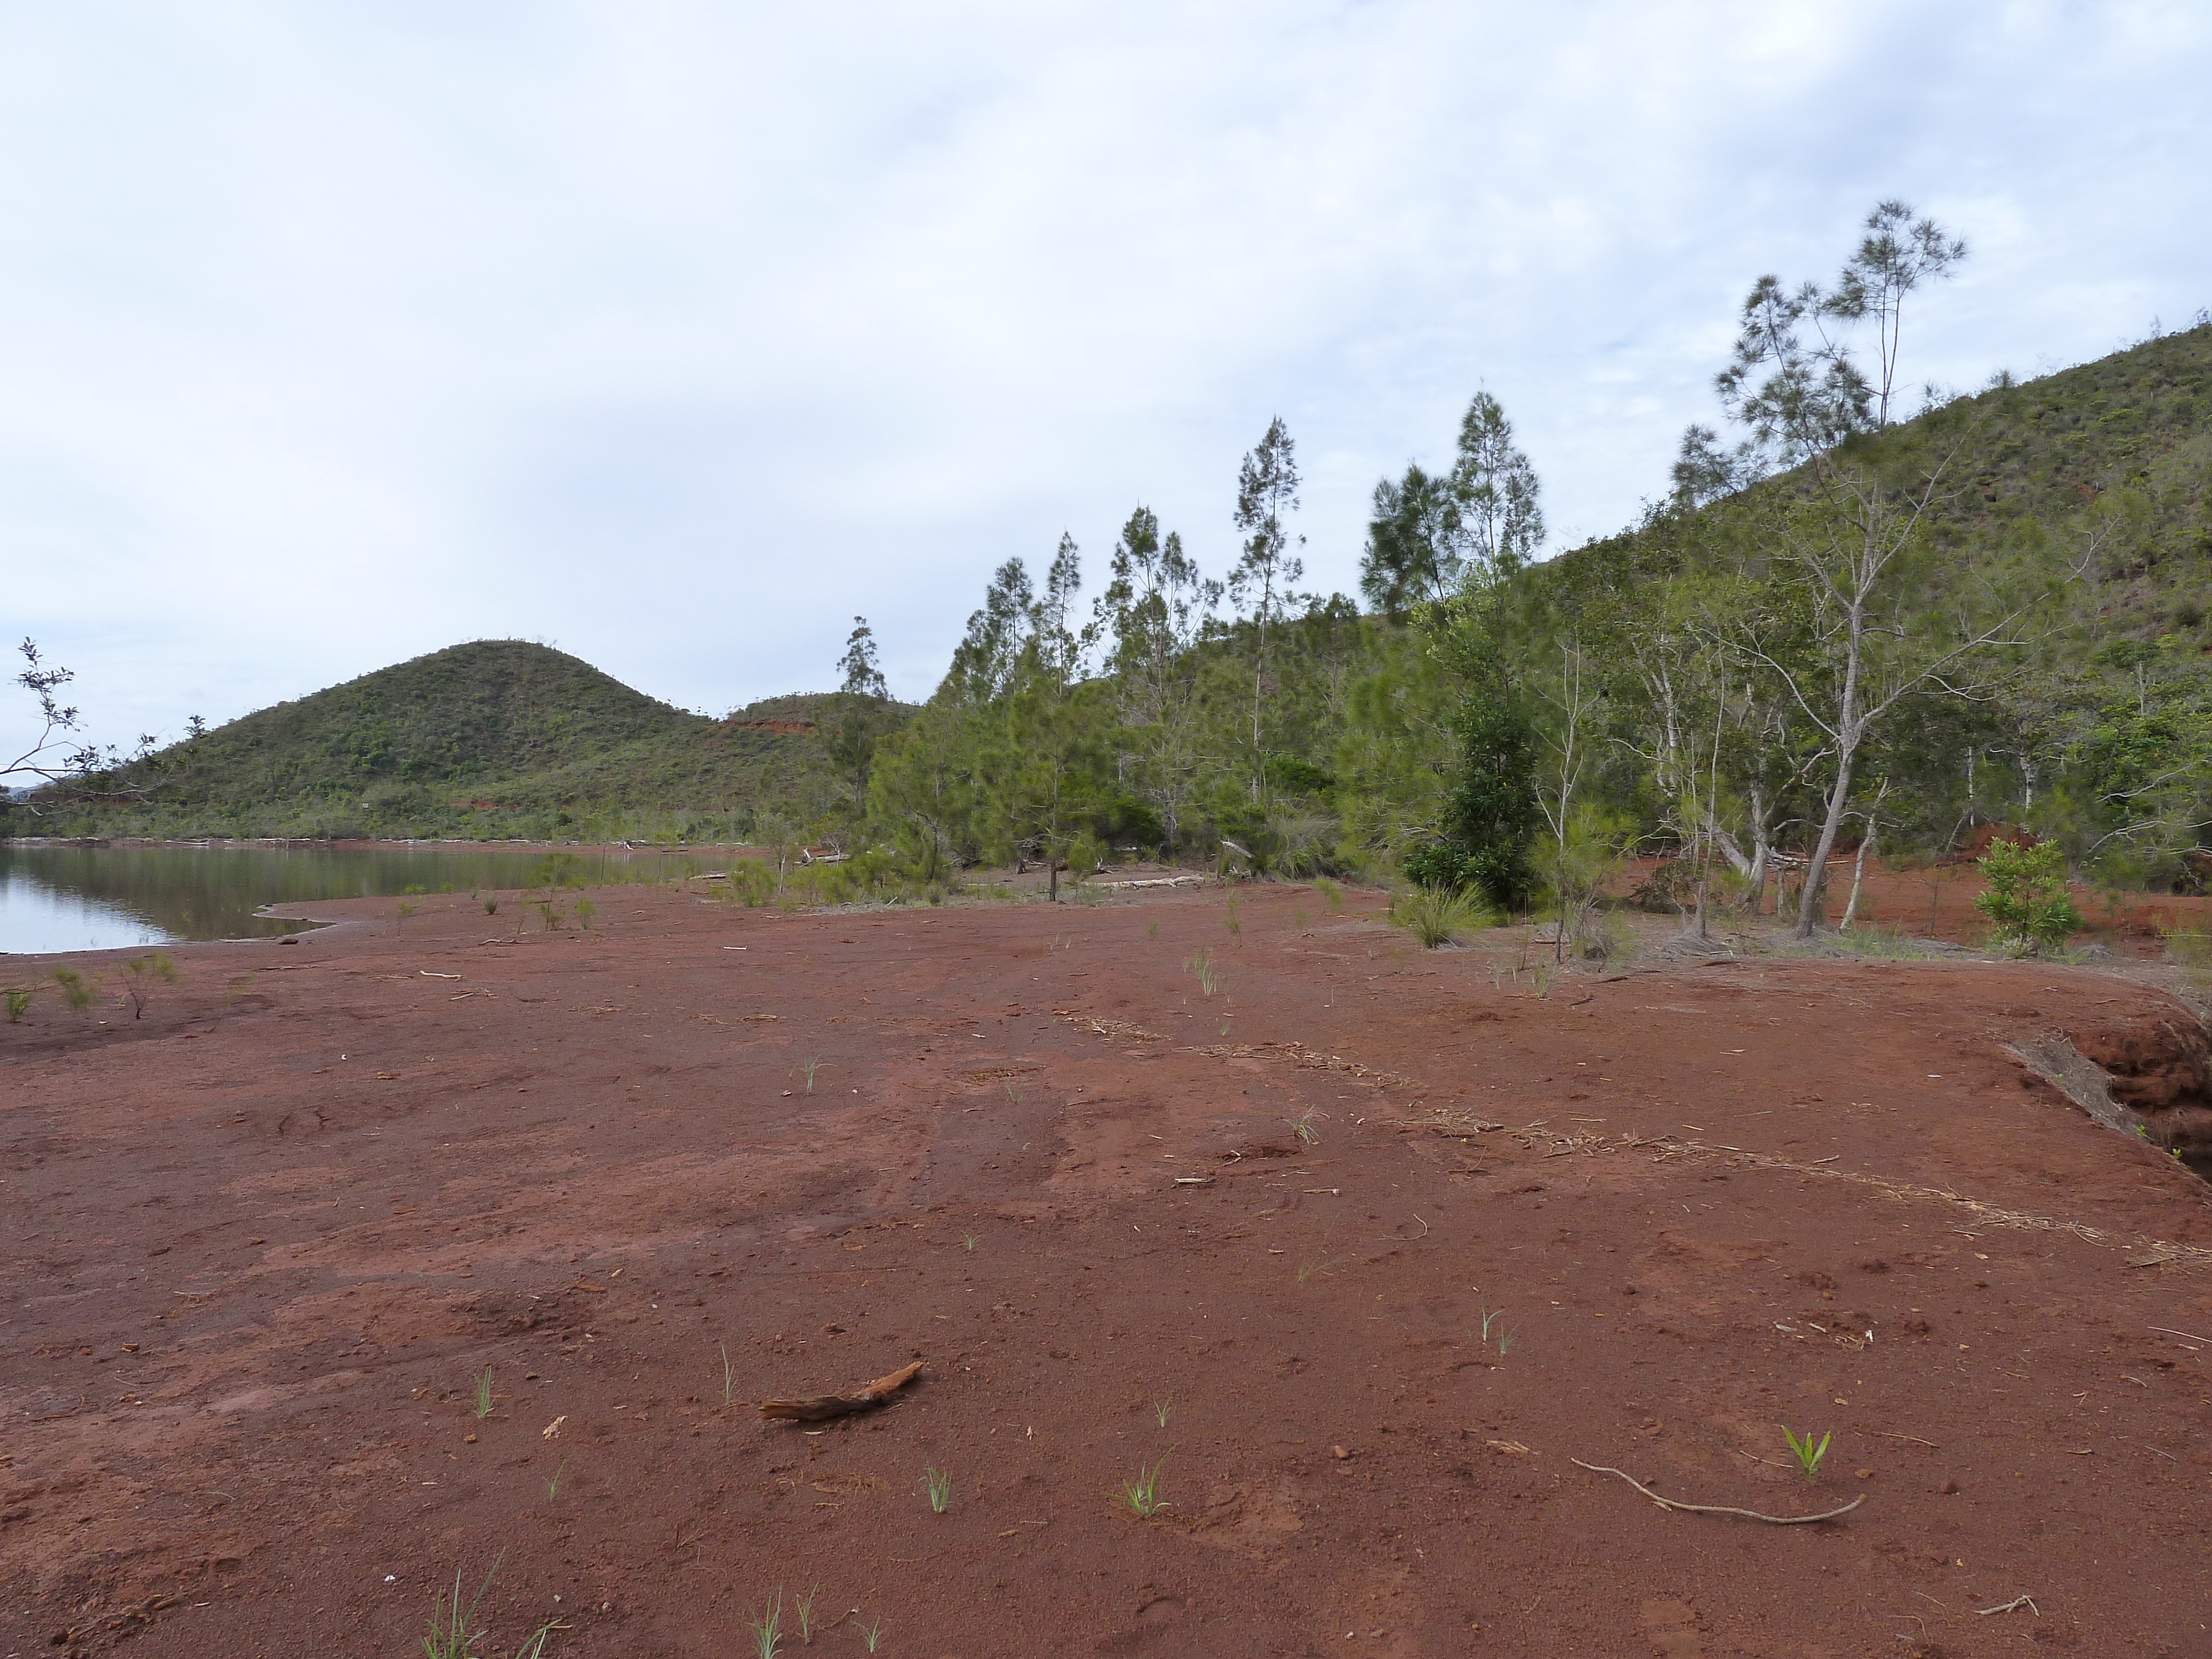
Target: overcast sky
point(676, 334)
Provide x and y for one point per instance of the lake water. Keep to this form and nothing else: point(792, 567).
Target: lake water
point(104, 898)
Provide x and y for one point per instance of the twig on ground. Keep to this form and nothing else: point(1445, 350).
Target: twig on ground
point(2162, 1331)
point(1914, 1438)
point(1717, 1509)
point(822, 1408)
point(2013, 1606)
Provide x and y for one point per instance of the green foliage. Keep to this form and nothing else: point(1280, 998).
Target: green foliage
point(75, 991)
point(940, 1484)
point(1436, 915)
point(1142, 1494)
point(141, 974)
point(1807, 1453)
point(2027, 900)
point(18, 1001)
point(1492, 811)
point(490, 740)
point(767, 1629)
point(453, 1634)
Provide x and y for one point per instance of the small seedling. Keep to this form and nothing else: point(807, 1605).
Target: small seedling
point(767, 1629)
point(75, 991)
point(1231, 920)
point(968, 1243)
point(813, 1065)
point(450, 1636)
point(491, 904)
point(1332, 892)
point(804, 1605)
point(1807, 1453)
point(940, 1488)
point(553, 1486)
point(1225, 1028)
point(406, 909)
point(483, 1394)
point(551, 912)
point(729, 1376)
point(141, 974)
point(586, 910)
point(1489, 1314)
point(18, 1003)
point(1160, 1411)
point(873, 1634)
point(1208, 980)
point(1505, 1342)
point(1143, 1494)
point(1152, 928)
point(1302, 1127)
point(1315, 1269)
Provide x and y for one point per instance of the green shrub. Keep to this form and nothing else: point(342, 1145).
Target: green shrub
point(1435, 916)
point(2027, 904)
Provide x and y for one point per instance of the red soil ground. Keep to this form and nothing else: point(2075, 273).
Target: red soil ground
point(263, 1241)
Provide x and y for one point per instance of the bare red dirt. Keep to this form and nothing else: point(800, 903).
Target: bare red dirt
point(263, 1243)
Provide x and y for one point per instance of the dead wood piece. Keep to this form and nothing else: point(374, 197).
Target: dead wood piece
point(822, 1408)
point(2013, 1606)
point(1717, 1509)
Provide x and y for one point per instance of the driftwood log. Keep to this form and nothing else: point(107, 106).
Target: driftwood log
point(822, 1408)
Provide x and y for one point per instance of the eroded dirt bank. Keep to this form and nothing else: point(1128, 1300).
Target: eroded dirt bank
point(262, 1244)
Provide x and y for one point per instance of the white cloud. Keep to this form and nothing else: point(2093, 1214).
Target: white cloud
point(678, 333)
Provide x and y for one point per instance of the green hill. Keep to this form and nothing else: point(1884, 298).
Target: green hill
point(2084, 497)
point(490, 740)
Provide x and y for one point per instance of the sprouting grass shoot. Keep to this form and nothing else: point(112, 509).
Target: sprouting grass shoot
point(1808, 1452)
point(767, 1629)
point(939, 1482)
point(483, 1403)
point(1142, 1495)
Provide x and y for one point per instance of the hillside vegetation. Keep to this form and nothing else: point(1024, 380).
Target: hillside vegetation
point(494, 738)
point(1843, 630)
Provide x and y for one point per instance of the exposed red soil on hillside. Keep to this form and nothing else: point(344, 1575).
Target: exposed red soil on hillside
point(263, 1241)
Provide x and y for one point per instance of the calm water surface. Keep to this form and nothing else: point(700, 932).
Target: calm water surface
point(104, 898)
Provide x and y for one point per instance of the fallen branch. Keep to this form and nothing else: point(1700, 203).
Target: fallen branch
point(1717, 1509)
point(2013, 1606)
point(822, 1408)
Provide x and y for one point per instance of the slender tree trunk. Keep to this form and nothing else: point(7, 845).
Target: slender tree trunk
point(1812, 907)
point(1858, 876)
point(1762, 851)
point(1850, 734)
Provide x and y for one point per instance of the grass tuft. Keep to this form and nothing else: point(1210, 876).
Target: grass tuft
point(1435, 917)
point(873, 1634)
point(941, 1489)
point(804, 1605)
point(1143, 1494)
point(767, 1629)
point(483, 1401)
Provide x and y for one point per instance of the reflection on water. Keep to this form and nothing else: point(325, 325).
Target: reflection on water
point(78, 898)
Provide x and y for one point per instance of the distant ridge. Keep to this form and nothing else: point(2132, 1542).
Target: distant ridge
point(491, 739)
